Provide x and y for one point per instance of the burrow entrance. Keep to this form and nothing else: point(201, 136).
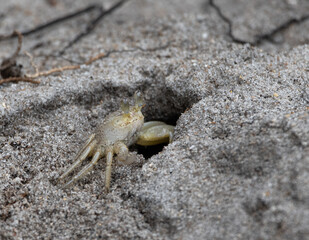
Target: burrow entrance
point(149, 151)
point(162, 105)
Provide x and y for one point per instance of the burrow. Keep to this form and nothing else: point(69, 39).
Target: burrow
point(162, 104)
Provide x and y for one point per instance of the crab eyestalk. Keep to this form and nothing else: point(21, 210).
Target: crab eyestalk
point(125, 107)
point(139, 101)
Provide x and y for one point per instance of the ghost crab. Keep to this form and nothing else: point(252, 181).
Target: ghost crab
point(114, 135)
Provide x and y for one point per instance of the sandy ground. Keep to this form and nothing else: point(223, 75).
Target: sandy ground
point(238, 165)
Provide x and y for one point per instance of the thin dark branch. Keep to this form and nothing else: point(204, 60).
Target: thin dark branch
point(93, 24)
point(54, 22)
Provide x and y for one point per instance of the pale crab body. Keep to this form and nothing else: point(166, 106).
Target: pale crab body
point(120, 126)
point(114, 135)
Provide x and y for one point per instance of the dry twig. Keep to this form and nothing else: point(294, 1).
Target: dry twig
point(31, 77)
point(18, 79)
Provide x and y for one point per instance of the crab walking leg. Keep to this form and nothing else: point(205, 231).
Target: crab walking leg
point(109, 160)
point(86, 144)
point(81, 157)
point(85, 170)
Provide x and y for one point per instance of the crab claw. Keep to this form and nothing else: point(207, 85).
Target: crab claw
point(155, 132)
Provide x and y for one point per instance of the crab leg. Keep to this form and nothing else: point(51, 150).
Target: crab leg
point(81, 156)
point(85, 170)
point(89, 140)
point(109, 160)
